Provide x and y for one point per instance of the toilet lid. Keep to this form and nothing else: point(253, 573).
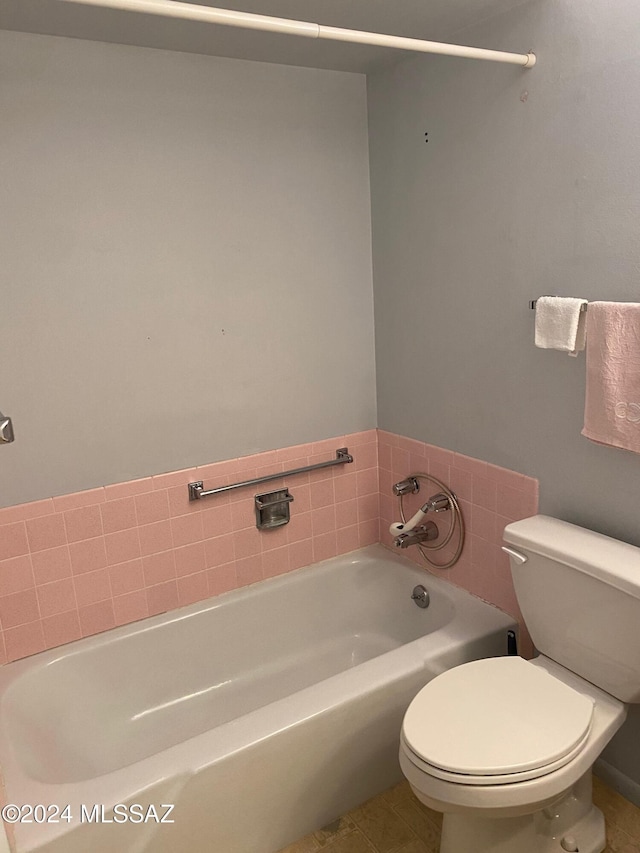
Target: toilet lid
point(495, 717)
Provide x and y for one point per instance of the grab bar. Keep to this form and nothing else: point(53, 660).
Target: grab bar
point(196, 490)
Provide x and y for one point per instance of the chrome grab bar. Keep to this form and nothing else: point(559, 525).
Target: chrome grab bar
point(197, 491)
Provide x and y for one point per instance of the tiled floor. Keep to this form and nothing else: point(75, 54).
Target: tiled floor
point(395, 822)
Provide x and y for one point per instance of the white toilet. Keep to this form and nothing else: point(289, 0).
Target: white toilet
point(503, 746)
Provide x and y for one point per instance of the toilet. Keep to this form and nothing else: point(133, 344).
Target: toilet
point(504, 747)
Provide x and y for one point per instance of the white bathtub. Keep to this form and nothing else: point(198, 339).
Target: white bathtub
point(262, 714)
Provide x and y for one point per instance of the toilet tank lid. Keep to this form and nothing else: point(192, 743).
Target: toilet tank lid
point(609, 560)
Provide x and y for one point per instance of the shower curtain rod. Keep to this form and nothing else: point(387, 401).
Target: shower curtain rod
point(247, 20)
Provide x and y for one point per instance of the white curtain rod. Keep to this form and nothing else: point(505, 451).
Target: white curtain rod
point(247, 20)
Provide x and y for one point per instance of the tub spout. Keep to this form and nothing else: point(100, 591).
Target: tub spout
point(421, 533)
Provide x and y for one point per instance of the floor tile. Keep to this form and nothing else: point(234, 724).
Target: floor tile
point(384, 828)
point(337, 829)
point(353, 842)
point(427, 830)
point(397, 822)
point(305, 845)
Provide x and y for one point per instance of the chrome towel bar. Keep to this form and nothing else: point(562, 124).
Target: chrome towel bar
point(532, 305)
point(197, 491)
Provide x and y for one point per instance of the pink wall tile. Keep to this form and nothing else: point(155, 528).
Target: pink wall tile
point(296, 451)
point(384, 455)
point(249, 570)
point(367, 482)
point(514, 503)
point(247, 543)
point(277, 537)
point(51, 565)
point(300, 554)
point(347, 539)
point(242, 515)
point(322, 494)
point(369, 532)
point(24, 640)
point(368, 507)
point(159, 568)
point(162, 597)
point(22, 512)
point(83, 523)
point(222, 578)
point(473, 466)
point(484, 492)
point(130, 607)
point(275, 562)
point(300, 527)
point(116, 554)
point(126, 577)
point(118, 514)
point(174, 478)
point(88, 556)
point(186, 529)
point(13, 540)
point(78, 499)
point(190, 559)
point(302, 497)
point(48, 531)
point(16, 575)
point(152, 506)
point(56, 597)
point(345, 486)
point(19, 608)
point(61, 628)
point(96, 618)
point(347, 513)
point(482, 523)
point(323, 520)
point(218, 550)
point(179, 503)
point(155, 537)
point(126, 490)
point(324, 546)
point(366, 457)
point(122, 546)
point(92, 587)
point(192, 588)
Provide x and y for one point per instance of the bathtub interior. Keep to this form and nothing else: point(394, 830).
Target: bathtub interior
point(135, 692)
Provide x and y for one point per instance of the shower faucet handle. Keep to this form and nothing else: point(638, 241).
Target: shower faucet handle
point(410, 486)
point(6, 430)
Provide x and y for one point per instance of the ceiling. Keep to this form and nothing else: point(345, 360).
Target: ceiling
point(436, 20)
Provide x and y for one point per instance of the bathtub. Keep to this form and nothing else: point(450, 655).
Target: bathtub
point(259, 715)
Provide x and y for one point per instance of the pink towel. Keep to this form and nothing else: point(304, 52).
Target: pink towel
point(612, 402)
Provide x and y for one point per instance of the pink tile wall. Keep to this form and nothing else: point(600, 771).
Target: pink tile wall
point(79, 564)
point(490, 498)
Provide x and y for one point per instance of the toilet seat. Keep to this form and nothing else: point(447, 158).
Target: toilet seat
point(495, 721)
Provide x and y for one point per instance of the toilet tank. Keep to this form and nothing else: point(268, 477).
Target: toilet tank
point(579, 593)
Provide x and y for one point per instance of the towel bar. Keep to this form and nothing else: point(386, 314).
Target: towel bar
point(532, 304)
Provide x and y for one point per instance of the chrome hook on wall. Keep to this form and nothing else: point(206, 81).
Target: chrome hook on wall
point(6, 430)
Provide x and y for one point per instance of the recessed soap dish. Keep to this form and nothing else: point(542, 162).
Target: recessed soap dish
point(272, 509)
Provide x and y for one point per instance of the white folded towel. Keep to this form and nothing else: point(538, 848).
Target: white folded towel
point(560, 323)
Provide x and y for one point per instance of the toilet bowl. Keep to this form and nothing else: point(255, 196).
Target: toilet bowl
point(515, 758)
point(504, 747)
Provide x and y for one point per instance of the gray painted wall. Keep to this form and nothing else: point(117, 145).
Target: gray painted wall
point(186, 261)
point(529, 184)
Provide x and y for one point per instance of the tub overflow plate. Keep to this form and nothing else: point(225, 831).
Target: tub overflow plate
point(420, 595)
